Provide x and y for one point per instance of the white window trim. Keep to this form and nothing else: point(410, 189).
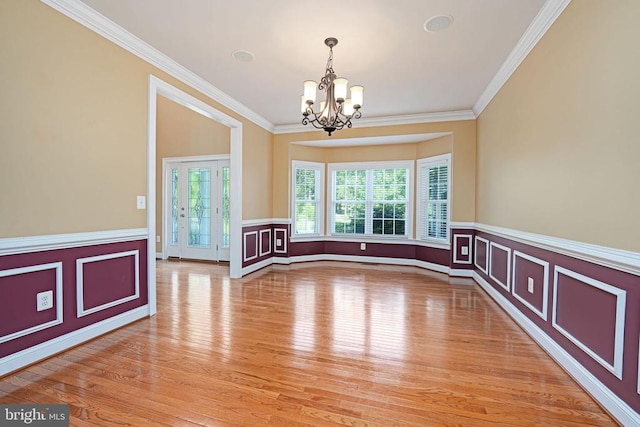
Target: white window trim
point(393, 164)
point(320, 191)
point(428, 161)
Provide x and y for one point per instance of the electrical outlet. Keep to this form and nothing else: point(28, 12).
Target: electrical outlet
point(363, 246)
point(530, 284)
point(278, 242)
point(44, 300)
point(465, 250)
point(157, 239)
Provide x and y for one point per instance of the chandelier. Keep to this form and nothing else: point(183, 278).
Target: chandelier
point(336, 111)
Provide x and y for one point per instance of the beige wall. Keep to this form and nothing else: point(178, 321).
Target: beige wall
point(558, 146)
point(371, 153)
point(73, 137)
point(181, 132)
point(74, 108)
point(461, 143)
point(257, 173)
point(437, 147)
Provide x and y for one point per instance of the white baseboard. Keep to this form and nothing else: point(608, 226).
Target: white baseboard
point(430, 266)
point(257, 266)
point(38, 352)
point(622, 412)
point(461, 273)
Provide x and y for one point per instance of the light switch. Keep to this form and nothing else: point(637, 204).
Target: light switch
point(140, 202)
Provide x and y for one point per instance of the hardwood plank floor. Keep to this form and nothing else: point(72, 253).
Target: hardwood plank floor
point(319, 344)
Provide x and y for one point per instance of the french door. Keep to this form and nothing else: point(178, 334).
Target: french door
point(197, 209)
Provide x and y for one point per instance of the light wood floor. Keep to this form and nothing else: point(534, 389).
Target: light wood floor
point(319, 344)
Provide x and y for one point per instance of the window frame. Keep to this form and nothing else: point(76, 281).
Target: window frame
point(319, 168)
point(421, 203)
point(409, 165)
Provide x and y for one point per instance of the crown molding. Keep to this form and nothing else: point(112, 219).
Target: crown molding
point(98, 23)
point(539, 26)
point(409, 119)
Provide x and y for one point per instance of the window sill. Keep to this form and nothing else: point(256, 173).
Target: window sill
point(306, 237)
point(434, 244)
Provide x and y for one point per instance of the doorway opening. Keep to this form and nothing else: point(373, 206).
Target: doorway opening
point(159, 87)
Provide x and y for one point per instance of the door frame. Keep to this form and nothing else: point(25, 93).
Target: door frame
point(165, 162)
point(160, 87)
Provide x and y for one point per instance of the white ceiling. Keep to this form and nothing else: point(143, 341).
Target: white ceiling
point(382, 46)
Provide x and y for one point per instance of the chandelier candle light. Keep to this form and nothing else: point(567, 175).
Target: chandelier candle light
point(337, 110)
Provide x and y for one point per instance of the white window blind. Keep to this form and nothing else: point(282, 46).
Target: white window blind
point(307, 188)
point(434, 198)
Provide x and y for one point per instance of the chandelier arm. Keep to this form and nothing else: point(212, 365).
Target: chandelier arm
point(314, 121)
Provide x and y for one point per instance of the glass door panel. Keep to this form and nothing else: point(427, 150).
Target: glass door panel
point(199, 219)
point(224, 223)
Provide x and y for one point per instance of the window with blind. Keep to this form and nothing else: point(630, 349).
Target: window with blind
point(434, 198)
point(308, 187)
point(371, 199)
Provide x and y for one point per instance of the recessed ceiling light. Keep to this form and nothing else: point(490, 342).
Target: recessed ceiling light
point(438, 23)
point(243, 55)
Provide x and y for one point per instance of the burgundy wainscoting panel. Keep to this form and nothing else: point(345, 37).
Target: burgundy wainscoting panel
point(71, 322)
point(482, 254)
point(250, 243)
point(588, 314)
point(265, 241)
point(380, 250)
point(345, 248)
point(585, 313)
point(461, 242)
point(118, 272)
point(257, 243)
point(18, 302)
point(280, 240)
point(306, 248)
point(433, 255)
point(500, 264)
point(525, 269)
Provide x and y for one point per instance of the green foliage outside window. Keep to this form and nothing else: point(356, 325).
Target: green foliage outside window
point(380, 192)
